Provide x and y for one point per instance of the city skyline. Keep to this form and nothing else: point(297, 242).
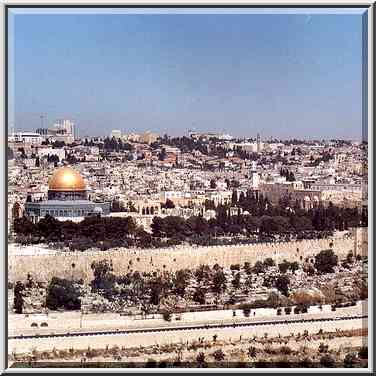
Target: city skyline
point(284, 76)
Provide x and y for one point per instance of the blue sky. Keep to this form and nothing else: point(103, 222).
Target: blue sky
point(282, 75)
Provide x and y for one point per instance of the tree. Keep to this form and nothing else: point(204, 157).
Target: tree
point(156, 290)
point(62, 293)
point(219, 281)
point(325, 261)
point(294, 266)
point(198, 225)
point(234, 197)
point(103, 277)
point(284, 266)
point(269, 262)
point(169, 204)
point(259, 267)
point(24, 226)
point(162, 155)
point(181, 281)
point(18, 301)
point(199, 296)
point(236, 281)
point(282, 284)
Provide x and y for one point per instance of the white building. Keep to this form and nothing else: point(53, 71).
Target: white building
point(48, 151)
point(66, 125)
point(115, 133)
point(26, 137)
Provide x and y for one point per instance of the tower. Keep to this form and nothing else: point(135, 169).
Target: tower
point(255, 179)
point(258, 141)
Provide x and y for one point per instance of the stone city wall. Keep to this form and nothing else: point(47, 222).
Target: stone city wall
point(77, 264)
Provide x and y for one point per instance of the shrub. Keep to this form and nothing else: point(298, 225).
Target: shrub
point(363, 352)
point(323, 348)
point(246, 312)
point(151, 363)
point(306, 363)
point(350, 360)
point(218, 355)
point(252, 352)
point(200, 358)
point(162, 364)
point(287, 310)
point(167, 316)
point(327, 361)
point(285, 350)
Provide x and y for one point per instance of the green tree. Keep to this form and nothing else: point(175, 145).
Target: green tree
point(325, 261)
point(236, 281)
point(219, 281)
point(104, 279)
point(199, 296)
point(181, 281)
point(282, 284)
point(259, 267)
point(268, 262)
point(18, 301)
point(63, 293)
point(284, 266)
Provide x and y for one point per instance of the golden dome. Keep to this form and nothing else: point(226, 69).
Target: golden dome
point(66, 179)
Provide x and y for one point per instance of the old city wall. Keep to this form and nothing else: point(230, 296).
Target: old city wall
point(78, 264)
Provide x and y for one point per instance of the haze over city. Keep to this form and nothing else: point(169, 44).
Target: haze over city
point(284, 76)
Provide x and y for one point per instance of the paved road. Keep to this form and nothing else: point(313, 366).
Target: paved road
point(175, 327)
point(69, 322)
point(161, 336)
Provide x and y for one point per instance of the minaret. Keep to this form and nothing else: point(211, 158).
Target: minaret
point(255, 179)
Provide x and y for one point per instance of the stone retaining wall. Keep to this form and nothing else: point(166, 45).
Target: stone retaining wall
point(77, 264)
